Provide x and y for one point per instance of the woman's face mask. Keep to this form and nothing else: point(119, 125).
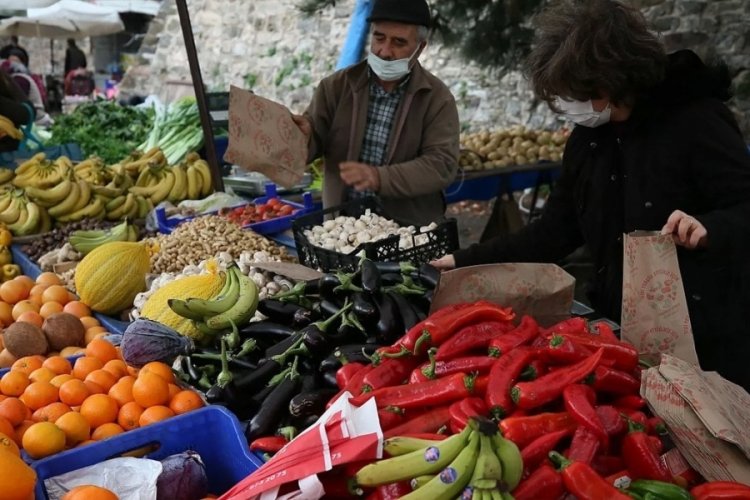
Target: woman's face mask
point(583, 113)
point(390, 71)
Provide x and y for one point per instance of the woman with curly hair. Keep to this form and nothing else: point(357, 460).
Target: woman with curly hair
point(654, 148)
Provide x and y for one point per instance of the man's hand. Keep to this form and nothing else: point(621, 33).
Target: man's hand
point(360, 176)
point(685, 230)
point(303, 124)
point(445, 263)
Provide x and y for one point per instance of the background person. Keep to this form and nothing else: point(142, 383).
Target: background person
point(655, 149)
point(387, 126)
point(14, 49)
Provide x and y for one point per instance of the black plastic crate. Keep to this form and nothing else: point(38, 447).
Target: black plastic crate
point(442, 240)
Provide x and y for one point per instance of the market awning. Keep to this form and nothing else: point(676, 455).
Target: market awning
point(148, 7)
point(66, 18)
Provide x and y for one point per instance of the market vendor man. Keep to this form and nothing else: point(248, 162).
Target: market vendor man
point(387, 126)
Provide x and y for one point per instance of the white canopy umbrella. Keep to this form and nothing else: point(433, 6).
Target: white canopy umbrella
point(87, 19)
point(24, 4)
point(149, 7)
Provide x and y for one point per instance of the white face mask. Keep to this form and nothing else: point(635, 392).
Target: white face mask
point(390, 71)
point(582, 112)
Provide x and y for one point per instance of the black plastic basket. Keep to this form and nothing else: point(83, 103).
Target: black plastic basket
point(442, 240)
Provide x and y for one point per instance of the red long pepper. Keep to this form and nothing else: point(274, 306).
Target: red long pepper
point(503, 375)
point(630, 402)
point(528, 395)
point(471, 338)
point(612, 420)
point(431, 393)
point(268, 444)
point(621, 355)
point(584, 446)
point(657, 446)
point(523, 430)
point(524, 333)
point(605, 332)
point(534, 370)
point(580, 407)
point(612, 381)
point(469, 364)
point(562, 350)
point(656, 425)
point(461, 411)
point(543, 484)
point(583, 482)
point(606, 465)
point(417, 376)
point(430, 436)
point(346, 372)
point(575, 325)
point(536, 452)
point(721, 490)
point(389, 372)
point(636, 416)
point(409, 338)
point(640, 458)
point(480, 385)
point(390, 417)
point(430, 421)
point(354, 381)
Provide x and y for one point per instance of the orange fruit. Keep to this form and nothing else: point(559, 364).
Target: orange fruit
point(74, 392)
point(37, 289)
point(59, 380)
point(48, 278)
point(102, 378)
point(161, 369)
point(39, 394)
point(122, 391)
point(174, 390)
point(106, 430)
point(150, 390)
point(31, 317)
point(185, 401)
point(13, 410)
point(43, 439)
point(8, 444)
point(6, 314)
point(89, 492)
point(129, 415)
point(89, 321)
point(13, 291)
point(78, 309)
point(6, 427)
point(99, 409)
point(154, 414)
point(27, 364)
point(116, 367)
point(14, 382)
point(42, 375)
point(56, 293)
point(50, 308)
point(17, 480)
point(21, 429)
point(85, 365)
point(58, 364)
point(26, 280)
point(101, 349)
point(50, 413)
point(22, 307)
point(95, 332)
point(75, 426)
point(35, 300)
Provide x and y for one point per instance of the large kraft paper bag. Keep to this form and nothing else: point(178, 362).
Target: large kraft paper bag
point(264, 138)
point(655, 316)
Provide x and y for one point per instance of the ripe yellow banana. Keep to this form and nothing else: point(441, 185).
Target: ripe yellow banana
point(144, 206)
point(8, 128)
point(66, 206)
point(163, 188)
point(179, 189)
point(6, 175)
point(195, 185)
point(5, 200)
point(30, 163)
point(23, 215)
point(12, 212)
point(93, 210)
point(50, 197)
point(31, 224)
point(207, 186)
point(85, 196)
point(124, 209)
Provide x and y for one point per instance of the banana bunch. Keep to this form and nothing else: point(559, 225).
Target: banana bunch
point(200, 184)
point(137, 161)
point(41, 173)
point(94, 171)
point(478, 463)
point(85, 241)
point(7, 127)
point(233, 306)
point(6, 175)
point(23, 216)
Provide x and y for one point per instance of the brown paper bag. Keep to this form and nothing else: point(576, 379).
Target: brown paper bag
point(544, 291)
point(263, 138)
point(655, 316)
point(707, 417)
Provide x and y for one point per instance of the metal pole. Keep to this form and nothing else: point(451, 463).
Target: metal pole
point(200, 94)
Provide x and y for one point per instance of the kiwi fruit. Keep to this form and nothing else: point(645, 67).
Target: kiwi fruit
point(24, 339)
point(63, 330)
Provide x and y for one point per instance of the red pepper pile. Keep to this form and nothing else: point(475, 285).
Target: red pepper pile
point(250, 214)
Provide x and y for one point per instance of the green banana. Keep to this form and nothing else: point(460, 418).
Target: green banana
point(180, 307)
point(507, 451)
point(419, 481)
point(207, 331)
point(401, 445)
point(85, 241)
point(121, 211)
point(430, 460)
point(451, 481)
point(132, 233)
point(66, 206)
point(115, 203)
point(242, 310)
point(229, 296)
point(143, 208)
point(489, 469)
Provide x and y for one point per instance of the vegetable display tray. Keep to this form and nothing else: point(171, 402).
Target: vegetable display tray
point(277, 225)
point(212, 432)
point(440, 241)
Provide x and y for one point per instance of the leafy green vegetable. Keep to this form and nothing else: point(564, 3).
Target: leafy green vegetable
point(177, 130)
point(103, 128)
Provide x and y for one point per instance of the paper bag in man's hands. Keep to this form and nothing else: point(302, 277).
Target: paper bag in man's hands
point(264, 138)
point(655, 316)
point(544, 291)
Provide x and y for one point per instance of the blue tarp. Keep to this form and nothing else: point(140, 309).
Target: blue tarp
point(351, 52)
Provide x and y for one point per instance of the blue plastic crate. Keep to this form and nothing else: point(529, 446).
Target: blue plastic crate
point(112, 324)
point(277, 225)
point(28, 266)
point(212, 432)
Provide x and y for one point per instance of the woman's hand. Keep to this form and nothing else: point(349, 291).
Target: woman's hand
point(444, 263)
point(685, 230)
